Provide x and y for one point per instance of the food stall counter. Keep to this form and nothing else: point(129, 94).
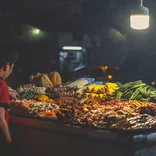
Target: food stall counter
point(37, 137)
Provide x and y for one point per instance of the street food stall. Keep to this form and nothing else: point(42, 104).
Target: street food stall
point(83, 117)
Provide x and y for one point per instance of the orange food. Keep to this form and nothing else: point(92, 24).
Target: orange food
point(53, 114)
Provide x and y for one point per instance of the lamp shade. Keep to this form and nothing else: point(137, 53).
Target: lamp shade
point(139, 18)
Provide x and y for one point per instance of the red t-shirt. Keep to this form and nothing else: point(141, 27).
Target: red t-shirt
point(4, 97)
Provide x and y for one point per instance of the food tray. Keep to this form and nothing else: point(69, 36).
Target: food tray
point(119, 131)
point(48, 118)
point(23, 116)
point(113, 130)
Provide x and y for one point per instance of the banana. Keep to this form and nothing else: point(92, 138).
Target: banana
point(96, 88)
point(110, 91)
point(112, 85)
point(102, 91)
point(101, 96)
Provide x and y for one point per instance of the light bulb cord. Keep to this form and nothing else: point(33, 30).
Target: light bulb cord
point(140, 2)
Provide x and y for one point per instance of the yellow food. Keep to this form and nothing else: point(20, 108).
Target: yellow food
point(50, 75)
point(55, 78)
point(102, 91)
point(44, 81)
point(44, 99)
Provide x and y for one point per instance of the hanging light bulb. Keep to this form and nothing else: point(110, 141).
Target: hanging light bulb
point(139, 18)
point(36, 31)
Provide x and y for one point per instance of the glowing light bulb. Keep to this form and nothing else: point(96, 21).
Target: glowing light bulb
point(36, 31)
point(110, 77)
point(139, 18)
point(72, 48)
point(106, 67)
point(139, 22)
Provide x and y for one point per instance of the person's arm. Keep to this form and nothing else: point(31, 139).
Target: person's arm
point(13, 93)
point(4, 126)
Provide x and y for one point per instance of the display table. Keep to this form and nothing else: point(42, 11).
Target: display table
point(34, 137)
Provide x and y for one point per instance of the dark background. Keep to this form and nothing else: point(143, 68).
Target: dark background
point(106, 22)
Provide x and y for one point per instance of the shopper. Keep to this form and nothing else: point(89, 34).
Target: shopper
point(8, 57)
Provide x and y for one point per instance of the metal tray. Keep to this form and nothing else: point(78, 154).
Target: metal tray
point(112, 130)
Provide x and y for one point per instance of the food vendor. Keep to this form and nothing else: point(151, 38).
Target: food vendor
point(7, 61)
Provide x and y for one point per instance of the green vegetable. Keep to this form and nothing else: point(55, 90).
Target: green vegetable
point(136, 90)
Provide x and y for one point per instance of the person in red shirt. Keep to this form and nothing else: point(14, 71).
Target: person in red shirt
point(8, 57)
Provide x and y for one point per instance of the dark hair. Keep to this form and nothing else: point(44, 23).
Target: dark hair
point(8, 55)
